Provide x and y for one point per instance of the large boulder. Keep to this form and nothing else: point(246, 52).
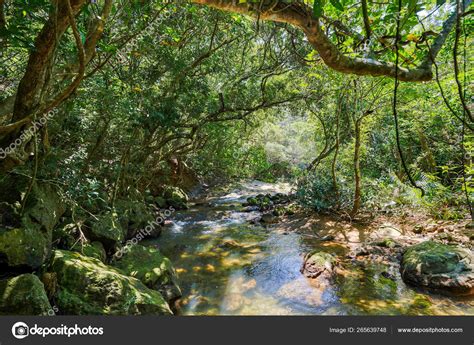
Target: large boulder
point(24, 295)
point(107, 229)
point(85, 286)
point(318, 264)
point(25, 240)
point(439, 267)
point(152, 268)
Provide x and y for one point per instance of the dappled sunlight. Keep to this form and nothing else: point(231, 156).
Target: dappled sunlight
point(229, 266)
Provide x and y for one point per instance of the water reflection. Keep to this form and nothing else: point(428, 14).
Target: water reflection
point(229, 266)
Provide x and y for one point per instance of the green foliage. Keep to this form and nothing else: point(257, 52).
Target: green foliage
point(185, 90)
point(317, 192)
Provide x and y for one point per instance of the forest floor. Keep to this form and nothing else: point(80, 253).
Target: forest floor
point(405, 226)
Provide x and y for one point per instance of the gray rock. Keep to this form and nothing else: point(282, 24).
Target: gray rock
point(445, 269)
point(318, 265)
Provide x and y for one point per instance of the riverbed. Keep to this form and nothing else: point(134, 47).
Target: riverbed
point(229, 263)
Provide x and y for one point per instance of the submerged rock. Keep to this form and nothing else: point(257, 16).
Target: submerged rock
point(25, 241)
point(153, 269)
point(439, 267)
point(24, 295)
point(318, 265)
point(85, 286)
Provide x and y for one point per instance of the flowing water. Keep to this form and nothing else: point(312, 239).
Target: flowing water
point(229, 264)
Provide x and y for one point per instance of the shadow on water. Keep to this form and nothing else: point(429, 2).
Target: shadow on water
point(228, 264)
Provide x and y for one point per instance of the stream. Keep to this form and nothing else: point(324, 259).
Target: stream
point(230, 264)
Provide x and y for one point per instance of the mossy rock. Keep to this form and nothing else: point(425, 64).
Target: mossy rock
point(318, 264)
point(290, 210)
point(134, 216)
point(175, 197)
point(28, 242)
point(446, 269)
point(85, 286)
point(267, 201)
point(252, 201)
point(20, 248)
point(24, 295)
point(279, 211)
point(387, 243)
point(107, 229)
point(94, 250)
point(284, 210)
point(152, 268)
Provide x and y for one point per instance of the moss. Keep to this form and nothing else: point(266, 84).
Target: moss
point(107, 229)
point(152, 268)
point(279, 211)
point(94, 250)
point(252, 201)
point(85, 286)
point(445, 269)
point(387, 243)
point(431, 258)
point(175, 193)
point(421, 302)
point(318, 263)
point(175, 197)
point(24, 247)
point(23, 295)
point(28, 243)
point(133, 216)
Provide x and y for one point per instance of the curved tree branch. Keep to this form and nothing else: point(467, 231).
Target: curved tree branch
point(300, 16)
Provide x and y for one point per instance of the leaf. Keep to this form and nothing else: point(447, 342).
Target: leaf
point(318, 8)
point(337, 4)
point(412, 38)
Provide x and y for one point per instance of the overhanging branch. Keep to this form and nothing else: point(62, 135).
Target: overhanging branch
point(299, 15)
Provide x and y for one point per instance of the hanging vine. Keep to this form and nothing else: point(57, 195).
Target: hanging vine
point(394, 105)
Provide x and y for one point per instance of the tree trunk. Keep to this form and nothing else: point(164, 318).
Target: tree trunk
point(430, 163)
